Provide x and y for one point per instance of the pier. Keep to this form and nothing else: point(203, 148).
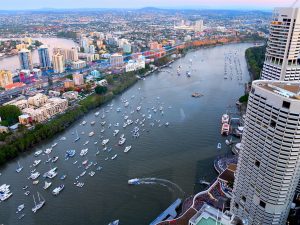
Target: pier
point(169, 213)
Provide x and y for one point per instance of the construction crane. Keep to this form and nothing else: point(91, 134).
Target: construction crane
point(295, 2)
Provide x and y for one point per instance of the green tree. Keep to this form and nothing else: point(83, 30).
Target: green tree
point(100, 90)
point(9, 114)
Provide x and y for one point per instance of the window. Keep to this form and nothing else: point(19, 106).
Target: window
point(262, 204)
point(273, 124)
point(286, 104)
point(257, 163)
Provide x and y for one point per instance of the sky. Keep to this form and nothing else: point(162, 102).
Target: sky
point(198, 4)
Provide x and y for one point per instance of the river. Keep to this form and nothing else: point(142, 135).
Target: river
point(182, 153)
point(12, 63)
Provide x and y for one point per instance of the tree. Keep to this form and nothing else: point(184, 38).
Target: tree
point(100, 90)
point(9, 114)
point(110, 80)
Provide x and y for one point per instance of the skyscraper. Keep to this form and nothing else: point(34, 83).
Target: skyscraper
point(198, 26)
point(58, 63)
point(281, 62)
point(25, 59)
point(269, 163)
point(70, 55)
point(44, 56)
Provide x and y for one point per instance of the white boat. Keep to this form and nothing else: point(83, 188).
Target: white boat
point(80, 184)
point(118, 109)
point(36, 162)
point(20, 168)
point(116, 124)
point(225, 118)
point(85, 143)
point(126, 104)
point(105, 141)
point(54, 159)
point(115, 156)
point(134, 181)
point(35, 175)
point(167, 124)
point(47, 185)
point(93, 123)
point(84, 151)
point(21, 216)
point(63, 138)
point(35, 182)
point(219, 146)
point(116, 222)
point(97, 113)
point(102, 130)
point(92, 173)
point(5, 196)
point(103, 123)
point(51, 173)
point(127, 148)
point(57, 190)
point(91, 134)
point(27, 193)
point(83, 122)
point(52, 146)
point(126, 117)
point(125, 125)
point(83, 173)
point(39, 205)
point(77, 136)
point(138, 108)
point(48, 151)
point(122, 136)
point(37, 153)
point(115, 132)
point(122, 141)
point(20, 208)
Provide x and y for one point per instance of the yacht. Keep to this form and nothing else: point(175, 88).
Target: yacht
point(91, 134)
point(122, 141)
point(116, 222)
point(20, 208)
point(115, 132)
point(48, 151)
point(47, 185)
point(115, 156)
point(19, 169)
point(37, 153)
point(105, 141)
point(134, 181)
point(38, 205)
point(127, 148)
point(57, 190)
point(35, 175)
point(225, 118)
point(54, 159)
point(84, 152)
point(36, 162)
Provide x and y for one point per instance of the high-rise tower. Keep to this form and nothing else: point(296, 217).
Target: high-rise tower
point(44, 56)
point(58, 63)
point(25, 59)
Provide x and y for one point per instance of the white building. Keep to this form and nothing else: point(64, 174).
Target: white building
point(136, 64)
point(269, 160)
point(198, 26)
point(281, 62)
point(78, 79)
point(58, 63)
point(79, 64)
point(116, 60)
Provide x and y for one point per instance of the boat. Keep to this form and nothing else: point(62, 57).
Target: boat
point(105, 141)
point(20, 168)
point(54, 159)
point(225, 129)
point(83, 173)
point(167, 124)
point(126, 117)
point(25, 187)
point(122, 136)
point(103, 123)
point(125, 125)
point(122, 141)
point(70, 153)
point(39, 205)
point(77, 136)
point(35, 175)
point(6, 195)
point(83, 122)
point(63, 177)
point(48, 151)
point(115, 156)
point(134, 181)
point(116, 222)
point(219, 146)
point(93, 122)
point(80, 184)
point(37, 153)
point(92, 173)
point(21, 216)
point(116, 124)
point(115, 132)
point(127, 148)
point(196, 95)
point(51, 173)
point(84, 152)
point(47, 185)
point(75, 162)
point(97, 113)
point(102, 130)
point(126, 104)
point(91, 134)
point(118, 109)
point(58, 189)
point(27, 193)
point(225, 118)
point(138, 108)
point(85, 162)
point(85, 143)
point(36, 162)
point(35, 182)
point(20, 208)
point(63, 138)
point(52, 146)
point(99, 168)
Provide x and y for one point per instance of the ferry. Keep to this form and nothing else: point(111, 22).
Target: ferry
point(225, 118)
point(57, 190)
point(133, 181)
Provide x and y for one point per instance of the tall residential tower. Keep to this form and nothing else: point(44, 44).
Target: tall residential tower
point(25, 59)
point(44, 56)
point(269, 161)
point(282, 56)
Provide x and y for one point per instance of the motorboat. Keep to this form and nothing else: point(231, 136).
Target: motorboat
point(58, 189)
point(99, 168)
point(92, 173)
point(52, 146)
point(25, 187)
point(134, 181)
point(84, 152)
point(38, 205)
point(37, 153)
point(102, 130)
point(47, 185)
point(115, 156)
point(103, 123)
point(35, 175)
point(83, 173)
point(27, 193)
point(36, 162)
point(129, 122)
point(97, 113)
point(138, 108)
point(54, 159)
point(85, 162)
point(122, 141)
point(105, 141)
point(225, 118)
point(63, 138)
point(91, 134)
point(77, 136)
point(127, 148)
point(19, 168)
point(125, 125)
point(35, 182)
point(225, 129)
point(48, 151)
point(93, 122)
point(5, 196)
point(51, 173)
point(167, 124)
point(70, 153)
point(85, 143)
point(83, 122)
point(116, 222)
point(80, 184)
point(126, 117)
point(122, 136)
point(63, 177)
point(126, 104)
point(118, 109)
point(219, 146)
point(115, 132)
point(20, 208)
point(21, 216)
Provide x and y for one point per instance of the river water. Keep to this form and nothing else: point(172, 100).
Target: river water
point(182, 153)
point(12, 63)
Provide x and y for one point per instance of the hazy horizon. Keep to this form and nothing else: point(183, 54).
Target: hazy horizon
point(135, 4)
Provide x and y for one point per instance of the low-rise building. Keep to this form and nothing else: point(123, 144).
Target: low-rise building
point(6, 78)
point(78, 64)
point(78, 79)
point(70, 95)
point(116, 60)
point(38, 100)
point(25, 119)
point(69, 83)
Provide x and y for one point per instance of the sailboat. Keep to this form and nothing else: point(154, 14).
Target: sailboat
point(77, 137)
point(39, 205)
point(19, 169)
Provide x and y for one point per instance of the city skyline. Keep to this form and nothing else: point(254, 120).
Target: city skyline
point(189, 4)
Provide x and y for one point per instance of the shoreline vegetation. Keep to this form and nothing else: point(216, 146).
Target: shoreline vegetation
point(24, 140)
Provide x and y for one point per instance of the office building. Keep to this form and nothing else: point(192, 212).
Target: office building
point(6, 78)
point(25, 59)
point(269, 160)
point(281, 61)
point(58, 63)
point(44, 56)
point(78, 79)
